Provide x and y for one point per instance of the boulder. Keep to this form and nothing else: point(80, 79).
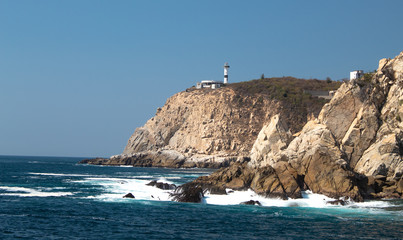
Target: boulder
point(189, 192)
point(267, 183)
point(291, 182)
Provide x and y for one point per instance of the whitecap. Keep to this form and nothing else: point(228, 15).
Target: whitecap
point(173, 177)
point(308, 200)
point(144, 176)
point(115, 188)
point(371, 204)
point(30, 192)
point(60, 174)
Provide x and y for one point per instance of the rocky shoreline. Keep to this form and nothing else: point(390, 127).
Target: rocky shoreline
point(166, 159)
point(352, 150)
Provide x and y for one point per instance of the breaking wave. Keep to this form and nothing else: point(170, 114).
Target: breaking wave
point(31, 192)
point(115, 188)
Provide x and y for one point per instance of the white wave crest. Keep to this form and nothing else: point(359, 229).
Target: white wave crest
point(30, 192)
point(309, 199)
point(237, 197)
point(115, 188)
point(60, 174)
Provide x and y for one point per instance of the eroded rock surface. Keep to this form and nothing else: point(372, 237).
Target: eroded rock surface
point(212, 128)
point(353, 149)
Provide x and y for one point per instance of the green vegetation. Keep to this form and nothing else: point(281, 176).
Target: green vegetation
point(286, 88)
point(296, 103)
point(293, 95)
point(368, 76)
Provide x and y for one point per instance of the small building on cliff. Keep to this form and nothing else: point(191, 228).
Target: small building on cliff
point(214, 84)
point(356, 74)
point(209, 84)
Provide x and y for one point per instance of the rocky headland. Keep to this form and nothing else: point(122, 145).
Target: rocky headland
point(211, 128)
point(270, 136)
point(353, 149)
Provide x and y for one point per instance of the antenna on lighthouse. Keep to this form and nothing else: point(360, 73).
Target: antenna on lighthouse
point(226, 66)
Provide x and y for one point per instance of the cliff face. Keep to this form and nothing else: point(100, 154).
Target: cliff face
point(204, 121)
point(212, 128)
point(225, 121)
point(353, 149)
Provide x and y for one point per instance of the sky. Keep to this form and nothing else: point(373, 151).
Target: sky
point(78, 77)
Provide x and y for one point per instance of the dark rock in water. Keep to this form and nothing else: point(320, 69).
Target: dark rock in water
point(219, 190)
point(252, 202)
point(152, 183)
point(337, 202)
point(129, 195)
point(161, 185)
point(95, 161)
point(189, 192)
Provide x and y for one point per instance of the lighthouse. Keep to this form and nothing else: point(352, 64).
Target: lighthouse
point(226, 66)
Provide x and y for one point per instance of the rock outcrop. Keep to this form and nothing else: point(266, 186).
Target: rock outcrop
point(282, 182)
point(165, 158)
point(272, 139)
point(353, 149)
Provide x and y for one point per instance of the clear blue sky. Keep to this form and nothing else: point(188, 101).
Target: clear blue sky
point(77, 77)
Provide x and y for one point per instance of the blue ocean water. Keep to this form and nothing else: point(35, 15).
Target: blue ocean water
point(56, 198)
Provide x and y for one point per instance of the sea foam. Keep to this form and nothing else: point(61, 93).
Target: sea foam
point(31, 192)
point(115, 188)
point(237, 197)
point(309, 200)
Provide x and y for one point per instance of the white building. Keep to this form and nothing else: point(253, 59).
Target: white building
point(214, 84)
point(356, 74)
point(208, 84)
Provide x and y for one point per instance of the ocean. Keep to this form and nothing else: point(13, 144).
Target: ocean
point(56, 198)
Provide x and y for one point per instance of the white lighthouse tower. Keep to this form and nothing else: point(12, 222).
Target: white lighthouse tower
point(226, 66)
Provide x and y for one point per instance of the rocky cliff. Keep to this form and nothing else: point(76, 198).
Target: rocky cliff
point(214, 127)
point(352, 149)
